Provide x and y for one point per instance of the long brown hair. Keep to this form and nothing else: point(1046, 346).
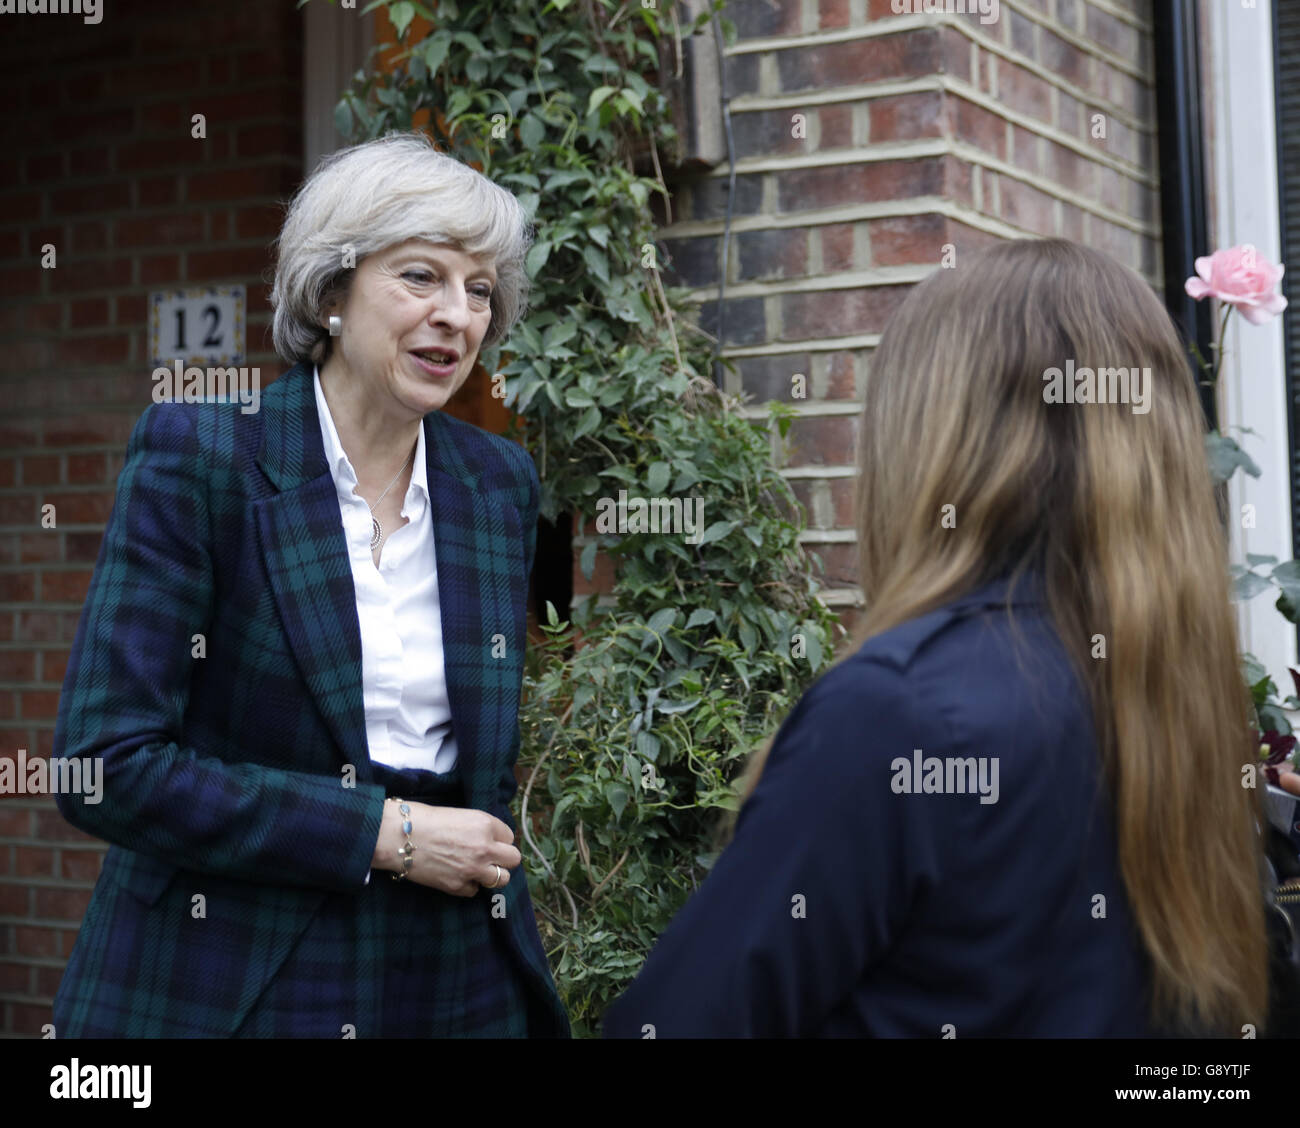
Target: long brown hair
point(1117, 510)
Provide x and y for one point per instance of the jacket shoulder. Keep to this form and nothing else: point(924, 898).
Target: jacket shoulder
point(487, 455)
point(900, 647)
point(987, 666)
point(999, 603)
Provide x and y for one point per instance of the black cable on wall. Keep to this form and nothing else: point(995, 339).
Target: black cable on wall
point(1181, 141)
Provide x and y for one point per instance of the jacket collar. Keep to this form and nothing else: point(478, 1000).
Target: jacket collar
point(306, 556)
point(1027, 590)
point(292, 451)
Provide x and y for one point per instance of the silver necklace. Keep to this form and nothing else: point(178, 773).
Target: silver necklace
point(376, 529)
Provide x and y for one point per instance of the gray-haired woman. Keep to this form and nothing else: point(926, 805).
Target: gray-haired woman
point(357, 563)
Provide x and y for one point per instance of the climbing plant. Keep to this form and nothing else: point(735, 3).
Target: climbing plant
point(640, 710)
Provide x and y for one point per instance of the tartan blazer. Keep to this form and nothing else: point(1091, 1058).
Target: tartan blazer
point(235, 763)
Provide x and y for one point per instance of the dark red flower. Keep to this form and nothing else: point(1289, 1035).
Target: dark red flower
point(1279, 750)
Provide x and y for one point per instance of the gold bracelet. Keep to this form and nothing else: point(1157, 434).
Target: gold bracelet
point(404, 852)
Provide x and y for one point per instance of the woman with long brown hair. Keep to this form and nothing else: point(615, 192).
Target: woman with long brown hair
point(1014, 805)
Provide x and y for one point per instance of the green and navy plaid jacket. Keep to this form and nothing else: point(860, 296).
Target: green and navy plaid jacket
point(228, 757)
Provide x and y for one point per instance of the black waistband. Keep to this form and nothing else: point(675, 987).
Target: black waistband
point(416, 783)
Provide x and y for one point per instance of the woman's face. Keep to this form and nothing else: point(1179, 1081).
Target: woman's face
point(405, 302)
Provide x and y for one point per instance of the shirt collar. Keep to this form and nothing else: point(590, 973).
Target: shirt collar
point(1027, 589)
point(341, 466)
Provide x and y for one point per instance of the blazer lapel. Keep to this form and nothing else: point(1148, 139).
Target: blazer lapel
point(306, 555)
point(481, 586)
point(481, 596)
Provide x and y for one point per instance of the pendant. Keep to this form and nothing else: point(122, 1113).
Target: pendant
point(376, 531)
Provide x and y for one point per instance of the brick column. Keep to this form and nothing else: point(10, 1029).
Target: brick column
point(867, 142)
point(100, 163)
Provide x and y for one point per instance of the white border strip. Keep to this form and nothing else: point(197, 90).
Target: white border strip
point(1252, 384)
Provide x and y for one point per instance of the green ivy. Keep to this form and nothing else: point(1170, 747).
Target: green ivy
point(637, 714)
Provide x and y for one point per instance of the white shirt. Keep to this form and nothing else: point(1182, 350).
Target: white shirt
point(403, 674)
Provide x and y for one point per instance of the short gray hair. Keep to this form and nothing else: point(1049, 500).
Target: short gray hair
point(378, 194)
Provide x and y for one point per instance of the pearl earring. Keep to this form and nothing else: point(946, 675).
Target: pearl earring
point(336, 325)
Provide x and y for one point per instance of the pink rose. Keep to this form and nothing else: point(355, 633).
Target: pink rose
point(1241, 277)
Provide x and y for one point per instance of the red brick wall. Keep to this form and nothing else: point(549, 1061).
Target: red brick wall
point(865, 141)
point(99, 161)
point(917, 131)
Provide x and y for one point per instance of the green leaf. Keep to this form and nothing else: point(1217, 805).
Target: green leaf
point(1225, 456)
point(597, 63)
point(647, 746)
point(1287, 577)
point(588, 423)
point(676, 651)
point(529, 202)
point(527, 179)
point(1272, 719)
point(538, 253)
point(748, 636)
point(531, 131)
point(662, 619)
point(657, 479)
point(617, 795)
point(587, 561)
point(565, 802)
point(596, 262)
point(470, 42)
point(1288, 608)
point(459, 102)
point(599, 97)
point(1248, 585)
point(687, 476)
point(517, 99)
point(527, 331)
point(1252, 670)
point(566, 177)
point(343, 118)
point(557, 335)
point(700, 616)
point(812, 645)
point(717, 531)
point(401, 14)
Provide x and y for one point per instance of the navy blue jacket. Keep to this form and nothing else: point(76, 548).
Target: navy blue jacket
point(847, 905)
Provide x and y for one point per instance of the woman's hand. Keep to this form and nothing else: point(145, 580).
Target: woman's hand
point(455, 847)
point(1289, 781)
